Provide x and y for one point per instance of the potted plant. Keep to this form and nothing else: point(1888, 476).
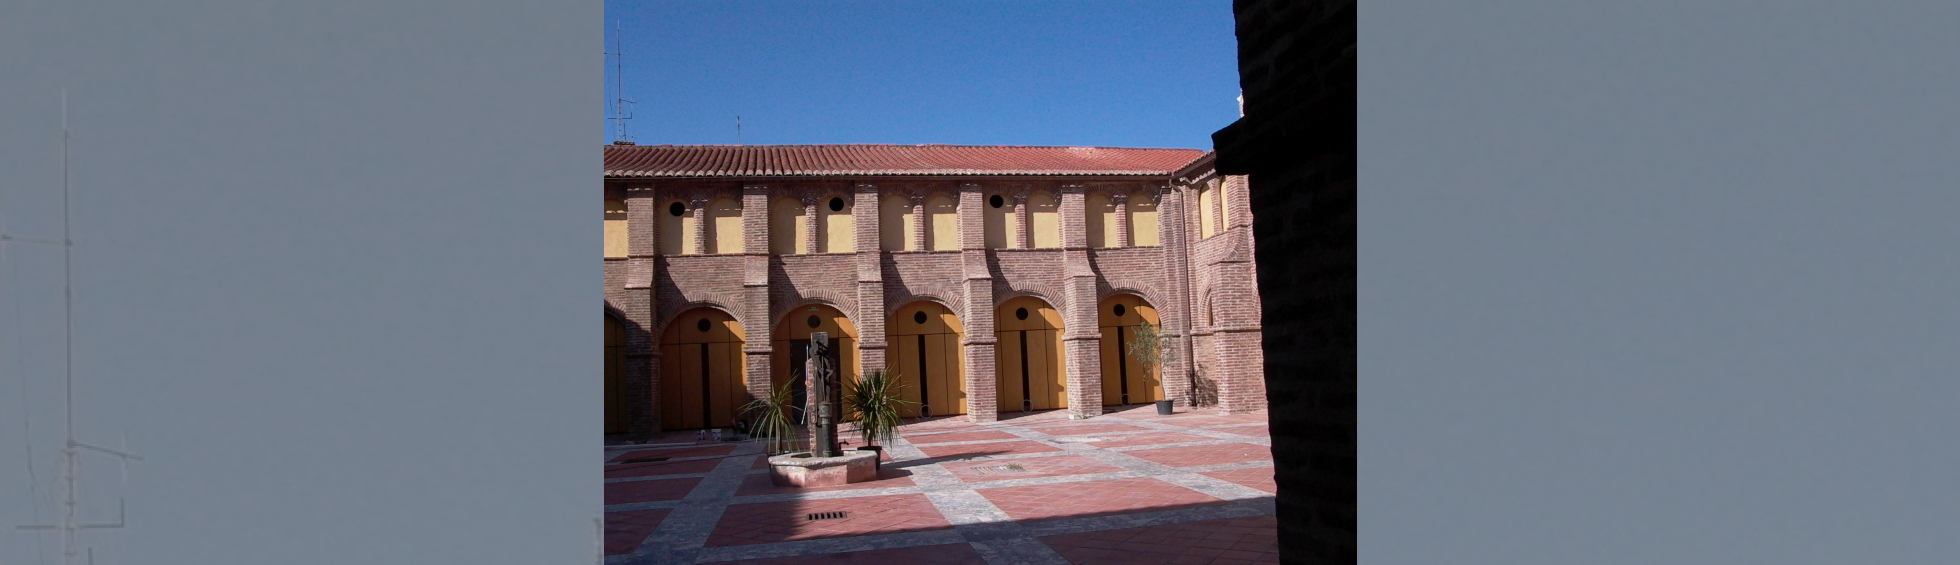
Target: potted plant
point(873, 404)
point(774, 420)
point(1149, 349)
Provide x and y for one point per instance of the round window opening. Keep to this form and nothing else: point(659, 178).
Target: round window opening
point(1020, 313)
point(1119, 309)
point(676, 209)
point(995, 201)
point(919, 317)
point(836, 204)
point(815, 321)
point(703, 325)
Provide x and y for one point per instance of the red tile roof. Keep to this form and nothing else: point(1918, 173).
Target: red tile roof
point(669, 161)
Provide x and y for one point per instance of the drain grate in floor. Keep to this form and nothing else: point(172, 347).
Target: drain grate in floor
point(997, 469)
point(826, 516)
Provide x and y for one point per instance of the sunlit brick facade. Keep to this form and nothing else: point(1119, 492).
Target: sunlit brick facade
point(991, 279)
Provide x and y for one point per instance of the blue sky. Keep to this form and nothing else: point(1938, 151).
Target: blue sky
point(1130, 74)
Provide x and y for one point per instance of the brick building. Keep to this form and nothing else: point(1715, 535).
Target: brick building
point(992, 278)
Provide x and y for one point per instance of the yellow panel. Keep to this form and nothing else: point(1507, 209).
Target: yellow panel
point(1047, 220)
point(839, 230)
point(905, 359)
point(676, 233)
point(1100, 219)
point(894, 232)
point(1206, 199)
point(1143, 221)
point(1007, 364)
point(615, 229)
point(724, 383)
point(956, 367)
point(999, 222)
point(725, 226)
point(784, 215)
point(1112, 387)
point(944, 234)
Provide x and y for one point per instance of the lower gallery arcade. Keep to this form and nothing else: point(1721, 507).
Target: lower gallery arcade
point(982, 290)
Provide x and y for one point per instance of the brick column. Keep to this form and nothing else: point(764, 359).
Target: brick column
point(812, 229)
point(977, 322)
point(700, 205)
point(1122, 202)
point(1172, 230)
point(754, 315)
point(1081, 338)
point(1022, 239)
point(918, 235)
point(641, 379)
point(871, 341)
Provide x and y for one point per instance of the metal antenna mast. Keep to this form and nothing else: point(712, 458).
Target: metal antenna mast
point(71, 449)
point(620, 104)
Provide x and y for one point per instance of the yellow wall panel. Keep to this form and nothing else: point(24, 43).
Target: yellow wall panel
point(1100, 220)
point(894, 229)
point(725, 226)
point(839, 232)
point(1047, 221)
point(943, 233)
point(784, 215)
point(1143, 220)
point(999, 222)
point(615, 229)
point(676, 232)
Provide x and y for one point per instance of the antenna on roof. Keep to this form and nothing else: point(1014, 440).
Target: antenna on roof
point(738, 130)
point(620, 105)
point(71, 450)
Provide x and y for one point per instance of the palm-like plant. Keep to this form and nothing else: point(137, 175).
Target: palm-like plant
point(773, 418)
point(873, 404)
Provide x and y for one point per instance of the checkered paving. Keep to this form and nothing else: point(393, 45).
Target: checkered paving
point(1254, 430)
point(1236, 541)
point(1196, 455)
point(622, 470)
point(957, 436)
point(985, 449)
point(625, 530)
point(1257, 477)
point(1150, 438)
point(974, 471)
point(649, 491)
point(949, 554)
point(786, 521)
point(1086, 429)
point(759, 484)
point(672, 453)
point(1095, 498)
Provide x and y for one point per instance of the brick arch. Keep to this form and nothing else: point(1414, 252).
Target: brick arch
point(615, 311)
point(955, 304)
point(793, 300)
point(1035, 289)
point(1113, 287)
point(673, 307)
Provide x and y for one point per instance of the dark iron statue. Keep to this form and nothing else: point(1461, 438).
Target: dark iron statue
point(823, 381)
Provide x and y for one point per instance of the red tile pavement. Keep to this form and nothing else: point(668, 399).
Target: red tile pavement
point(1236, 541)
point(625, 530)
point(1257, 477)
point(949, 554)
point(673, 453)
point(1204, 454)
point(1034, 467)
point(1205, 421)
point(1083, 429)
point(649, 490)
point(786, 521)
point(756, 485)
point(950, 437)
point(1254, 430)
point(1094, 498)
point(1153, 438)
point(660, 468)
point(978, 449)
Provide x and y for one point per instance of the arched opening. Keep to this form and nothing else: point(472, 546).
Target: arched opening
point(895, 221)
point(1125, 378)
point(786, 227)
point(1143, 220)
point(676, 228)
point(998, 221)
point(791, 347)
point(725, 226)
point(615, 366)
point(1100, 221)
point(615, 229)
point(943, 223)
point(923, 342)
point(834, 214)
point(1028, 356)
point(701, 384)
point(1046, 217)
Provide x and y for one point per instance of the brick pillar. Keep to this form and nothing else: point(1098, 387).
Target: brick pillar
point(700, 205)
point(1122, 202)
point(977, 322)
point(1022, 239)
point(1081, 338)
point(1176, 316)
point(871, 341)
point(641, 374)
point(754, 313)
point(918, 235)
point(1236, 339)
point(812, 229)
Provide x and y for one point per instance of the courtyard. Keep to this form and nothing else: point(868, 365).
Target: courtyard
point(1131, 486)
